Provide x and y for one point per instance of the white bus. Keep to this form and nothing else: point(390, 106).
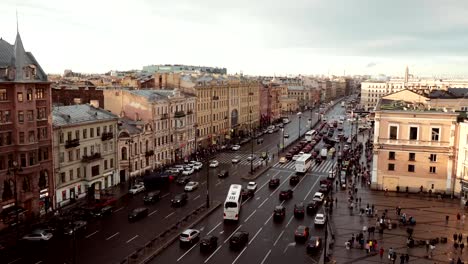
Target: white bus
point(303, 163)
point(309, 135)
point(233, 203)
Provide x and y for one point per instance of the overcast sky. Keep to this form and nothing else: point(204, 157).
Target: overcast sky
point(254, 36)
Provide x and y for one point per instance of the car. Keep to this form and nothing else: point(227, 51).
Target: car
point(324, 188)
point(183, 180)
point(314, 245)
point(319, 219)
point(152, 197)
point(191, 186)
point(235, 147)
point(286, 135)
point(137, 213)
point(274, 182)
point(312, 207)
point(294, 179)
point(251, 157)
point(279, 213)
point(236, 159)
point(259, 140)
point(299, 210)
point(246, 194)
point(301, 234)
point(318, 196)
point(238, 240)
point(208, 243)
point(197, 165)
point(296, 157)
point(137, 188)
point(331, 175)
point(283, 160)
point(179, 200)
point(173, 171)
point(179, 167)
point(77, 228)
point(188, 170)
point(103, 211)
point(189, 236)
point(214, 164)
point(38, 235)
point(223, 174)
point(286, 194)
point(289, 156)
point(346, 147)
point(252, 186)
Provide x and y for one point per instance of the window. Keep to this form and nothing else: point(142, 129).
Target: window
point(433, 157)
point(112, 163)
point(77, 134)
point(105, 165)
point(98, 131)
point(5, 116)
point(31, 137)
point(21, 137)
point(393, 132)
point(435, 134)
point(411, 168)
point(29, 94)
point(41, 113)
point(20, 116)
point(391, 155)
point(95, 171)
point(432, 169)
point(23, 160)
point(78, 173)
point(70, 155)
point(30, 115)
point(412, 156)
point(19, 96)
point(39, 93)
point(70, 172)
point(69, 135)
point(32, 158)
point(91, 132)
point(61, 137)
point(3, 95)
point(413, 133)
point(77, 100)
point(62, 177)
point(85, 133)
point(62, 157)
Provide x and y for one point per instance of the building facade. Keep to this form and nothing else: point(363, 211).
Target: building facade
point(414, 145)
point(85, 147)
point(461, 170)
point(25, 131)
point(77, 93)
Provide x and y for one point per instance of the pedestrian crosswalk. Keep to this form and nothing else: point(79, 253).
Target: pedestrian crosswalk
point(323, 167)
point(227, 157)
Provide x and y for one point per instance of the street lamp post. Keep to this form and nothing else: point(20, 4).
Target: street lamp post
point(282, 138)
point(300, 115)
point(196, 143)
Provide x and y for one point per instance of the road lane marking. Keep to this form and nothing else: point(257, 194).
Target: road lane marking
point(302, 178)
point(113, 236)
point(289, 245)
point(214, 228)
point(169, 215)
point(277, 239)
point(212, 254)
point(246, 201)
point(115, 211)
point(152, 213)
point(196, 197)
point(282, 202)
point(247, 219)
point(255, 235)
point(92, 234)
point(14, 261)
point(263, 202)
point(239, 255)
point(187, 252)
point(279, 187)
point(227, 239)
point(203, 183)
point(131, 239)
point(39, 262)
point(266, 256)
point(165, 195)
point(268, 220)
point(290, 219)
point(218, 183)
point(311, 188)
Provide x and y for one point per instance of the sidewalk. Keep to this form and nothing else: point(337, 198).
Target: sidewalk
point(428, 212)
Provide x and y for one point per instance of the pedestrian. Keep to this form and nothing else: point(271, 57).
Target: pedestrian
point(407, 258)
point(459, 261)
point(336, 202)
point(455, 236)
point(352, 239)
point(402, 259)
point(427, 246)
point(394, 255)
point(381, 252)
point(458, 216)
point(446, 219)
point(462, 246)
point(460, 237)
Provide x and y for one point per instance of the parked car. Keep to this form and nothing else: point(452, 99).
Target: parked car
point(274, 182)
point(299, 210)
point(137, 188)
point(191, 186)
point(283, 160)
point(246, 194)
point(251, 157)
point(189, 236)
point(312, 207)
point(208, 243)
point(279, 213)
point(179, 200)
point(293, 180)
point(318, 196)
point(238, 240)
point(235, 147)
point(38, 235)
point(223, 174)
point(286, 194)
point(77, 228)
point(319, 219)
point(301, 234)
point(214, 164)
point(183, 180)
point(152, 197)
point(236, 159)
point(314, 245)
point(188, 170)
point(197, 165)
point(103, 211)
point(324, 188)
point(252, 186)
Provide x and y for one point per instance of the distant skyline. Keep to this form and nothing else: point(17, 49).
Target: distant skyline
point(255, 37)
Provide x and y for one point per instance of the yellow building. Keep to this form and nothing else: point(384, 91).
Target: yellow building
point(414, 145)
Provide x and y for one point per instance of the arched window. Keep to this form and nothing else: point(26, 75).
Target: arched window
point(124, 153)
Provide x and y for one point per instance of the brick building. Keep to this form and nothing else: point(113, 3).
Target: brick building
point(77, 93)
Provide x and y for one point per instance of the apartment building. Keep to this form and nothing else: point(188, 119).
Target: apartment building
point(270, 107)
point(414, 145)
point(25, 127)
point(171, 114)
point(85, 159)
point(461, 168)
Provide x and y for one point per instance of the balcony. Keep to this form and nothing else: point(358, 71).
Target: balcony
point(164, 116)
point(189, 112)
point(91, 158)
point(149, 153)
point(107, 135)
point(73, 143)
point(179, 114)
point(422, 143)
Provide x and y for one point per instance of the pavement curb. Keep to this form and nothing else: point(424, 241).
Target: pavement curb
point(255, 176)
point(215, 206)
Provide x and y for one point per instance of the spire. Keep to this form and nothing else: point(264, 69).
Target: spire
point(17, 24)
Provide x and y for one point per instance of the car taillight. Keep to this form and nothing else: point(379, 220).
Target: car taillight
point(224, 214)
point(236, 215)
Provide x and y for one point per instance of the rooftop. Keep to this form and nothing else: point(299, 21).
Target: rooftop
point(79, 114)
point(155, 95)
point(129, 125)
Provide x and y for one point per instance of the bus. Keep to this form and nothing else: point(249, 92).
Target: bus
point(233, 203)
point(303, 163)
point(309, 135)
